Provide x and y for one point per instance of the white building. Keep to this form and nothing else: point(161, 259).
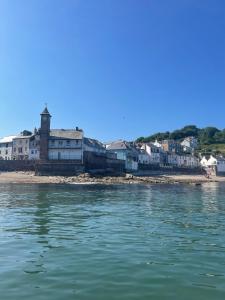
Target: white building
point(216, 164)
point(204, 162)
point(189, 144)
point(153, 153)
point(6, 146)
point(65, 144)
point(143, 157)
point(183, 160)
point(157, 144)
point(125, 151)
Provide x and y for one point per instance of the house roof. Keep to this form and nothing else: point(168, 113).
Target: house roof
point(118, 145)
point(22, 137)
point(93, 143)
point(123, 145)
point(7, 139)
point(69, 134)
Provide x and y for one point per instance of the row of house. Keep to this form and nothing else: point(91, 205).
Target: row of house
point(46, 143)
point(167, 152)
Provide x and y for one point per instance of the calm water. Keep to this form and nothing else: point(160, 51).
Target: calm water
point(119, 242)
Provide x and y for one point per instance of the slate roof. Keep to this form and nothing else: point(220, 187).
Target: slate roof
point(118, 145)
point(122, 145)
point(22, 137)
point(68, 134)
point(93, 143)
point(7, 139)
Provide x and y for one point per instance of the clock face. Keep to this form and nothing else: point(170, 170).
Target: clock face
point(44, 118)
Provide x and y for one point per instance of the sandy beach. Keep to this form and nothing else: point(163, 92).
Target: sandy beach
point(29, 177)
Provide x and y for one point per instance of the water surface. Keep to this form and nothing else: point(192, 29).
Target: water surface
point(112, 242)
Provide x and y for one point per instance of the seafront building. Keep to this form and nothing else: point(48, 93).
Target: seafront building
point(58, 145)
point(214, 165)
point(125, 151)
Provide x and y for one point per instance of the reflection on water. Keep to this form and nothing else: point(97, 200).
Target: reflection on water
point(114, 242)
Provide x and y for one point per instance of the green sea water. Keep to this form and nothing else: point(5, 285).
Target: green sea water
point(112, 242)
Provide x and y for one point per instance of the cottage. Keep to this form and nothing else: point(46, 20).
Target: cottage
point(125, 151)
point(143, 157)
point(216, 164)
point(153, 153)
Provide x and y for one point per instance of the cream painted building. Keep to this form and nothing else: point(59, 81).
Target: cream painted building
point(21, 146)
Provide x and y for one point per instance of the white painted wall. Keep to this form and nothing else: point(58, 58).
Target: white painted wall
point(58, 154)
point(6, 151)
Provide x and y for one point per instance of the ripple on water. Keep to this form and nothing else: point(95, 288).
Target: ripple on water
point(119, 242)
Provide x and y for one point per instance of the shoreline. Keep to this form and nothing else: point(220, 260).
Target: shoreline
point(31, 178)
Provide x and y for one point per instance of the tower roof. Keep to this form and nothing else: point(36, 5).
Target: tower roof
point(45, 112)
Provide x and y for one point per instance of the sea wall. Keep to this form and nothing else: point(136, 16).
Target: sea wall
point(17, 165)
point(58, 168)
point(100, 162)
point(159, 169)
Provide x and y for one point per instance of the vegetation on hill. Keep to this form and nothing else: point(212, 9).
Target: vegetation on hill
point(210, 139)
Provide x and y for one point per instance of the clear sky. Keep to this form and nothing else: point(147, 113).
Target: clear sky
point(116, 68)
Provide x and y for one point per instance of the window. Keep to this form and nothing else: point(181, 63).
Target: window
point(14, 149)
point(68, 143)
point(60, 142)
point(32, 152)
point(6, 152)
point(20, 150)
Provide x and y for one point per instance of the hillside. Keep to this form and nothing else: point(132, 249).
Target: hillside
point(211, 139)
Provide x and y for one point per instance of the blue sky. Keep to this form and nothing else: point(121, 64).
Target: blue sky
point(116, 68)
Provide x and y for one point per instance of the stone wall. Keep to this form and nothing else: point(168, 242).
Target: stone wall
point(17, 165)
point(59, 168)
point(145, 169)
point(100, 162)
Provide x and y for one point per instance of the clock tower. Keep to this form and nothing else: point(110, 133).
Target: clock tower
point(44, 133)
